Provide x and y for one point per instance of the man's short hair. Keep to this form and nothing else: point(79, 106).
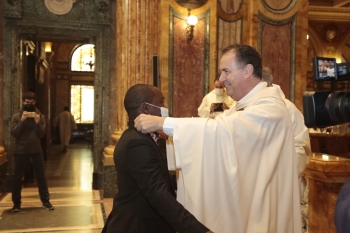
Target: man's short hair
point(138, 94)
point(246, 54)
point(28, 96)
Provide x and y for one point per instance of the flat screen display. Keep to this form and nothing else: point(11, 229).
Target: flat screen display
point(324, 68)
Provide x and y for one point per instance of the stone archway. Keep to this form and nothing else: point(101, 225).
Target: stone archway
point(31, 20)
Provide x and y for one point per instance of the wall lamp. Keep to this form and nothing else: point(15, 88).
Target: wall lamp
point(191, 22)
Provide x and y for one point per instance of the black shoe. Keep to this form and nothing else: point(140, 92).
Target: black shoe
point(65, 148)
point(47, 205)
point(16, 208)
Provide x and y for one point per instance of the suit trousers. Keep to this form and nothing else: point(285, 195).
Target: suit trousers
point(21, 161)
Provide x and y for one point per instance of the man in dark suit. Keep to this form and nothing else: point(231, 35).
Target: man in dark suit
point(342, 209)
point(146, 201)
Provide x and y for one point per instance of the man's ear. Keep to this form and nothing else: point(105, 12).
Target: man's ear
point(144, 108)
point(248, 70)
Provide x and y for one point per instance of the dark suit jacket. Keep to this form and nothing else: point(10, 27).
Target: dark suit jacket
point(145, 202)
point(342, 209)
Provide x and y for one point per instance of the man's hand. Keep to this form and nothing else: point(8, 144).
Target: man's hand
point(24, 115)
point(225, 107)
point(37, 118)
point(148, 123)
point(162, 134)
point(213, 107)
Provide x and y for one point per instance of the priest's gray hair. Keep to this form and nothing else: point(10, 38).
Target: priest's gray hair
point(267, 76)
point(138, 94)
point(246, 54)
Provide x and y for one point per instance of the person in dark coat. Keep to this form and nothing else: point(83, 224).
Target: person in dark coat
point(146, 201)
point(342, 209)
point(28, 127)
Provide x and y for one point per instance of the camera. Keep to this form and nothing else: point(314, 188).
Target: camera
point(30, 114)
point(219, 107)
point(327, 108)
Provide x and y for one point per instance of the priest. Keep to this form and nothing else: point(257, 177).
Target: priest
point(239, 170)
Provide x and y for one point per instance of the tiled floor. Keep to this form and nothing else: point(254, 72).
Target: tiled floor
point(78, 208)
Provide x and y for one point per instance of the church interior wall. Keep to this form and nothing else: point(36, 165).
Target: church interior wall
point(142, 29)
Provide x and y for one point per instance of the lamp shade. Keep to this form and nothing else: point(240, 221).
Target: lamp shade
point(192, 20)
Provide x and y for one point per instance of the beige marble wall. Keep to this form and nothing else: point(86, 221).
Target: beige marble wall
point(3, 157)
point(1, 74)
point(137, 37)
point(137, 41)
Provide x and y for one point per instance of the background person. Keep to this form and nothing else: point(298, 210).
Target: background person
point(300, 131)
point(342, 209)
point(146, 201)
point(218, 95)
point(241, 173)
point(28, 127)
point(66, 124)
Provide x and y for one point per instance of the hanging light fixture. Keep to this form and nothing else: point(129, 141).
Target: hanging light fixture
point(192, 20)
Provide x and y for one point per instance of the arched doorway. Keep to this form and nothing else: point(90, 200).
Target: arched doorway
point(86, 23)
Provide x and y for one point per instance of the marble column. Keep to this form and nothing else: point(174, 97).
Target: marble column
point(325, 175)
point(137, 39)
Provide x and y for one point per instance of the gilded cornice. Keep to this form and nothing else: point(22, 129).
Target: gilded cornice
point(329, 13)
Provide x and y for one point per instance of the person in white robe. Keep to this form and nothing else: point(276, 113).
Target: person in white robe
point(239, 170)
point(208, 107)
point(66, 124)
point(301, 132)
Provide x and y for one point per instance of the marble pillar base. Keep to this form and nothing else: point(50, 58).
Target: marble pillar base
point(325, 176)
point(110, 188)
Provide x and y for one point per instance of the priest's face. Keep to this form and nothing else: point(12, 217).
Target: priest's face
point(232, 75)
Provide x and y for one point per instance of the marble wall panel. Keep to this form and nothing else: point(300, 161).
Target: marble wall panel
point(137, 41)
point(188, 69)
point(228, 33)
point(1, 72)
point(276, 53)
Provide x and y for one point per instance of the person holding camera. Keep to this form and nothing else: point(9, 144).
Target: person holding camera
point(215, 102)
point(28, 127)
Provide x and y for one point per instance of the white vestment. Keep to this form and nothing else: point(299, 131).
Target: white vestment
point(239, 170)
point(301, 138)
point(210, 98)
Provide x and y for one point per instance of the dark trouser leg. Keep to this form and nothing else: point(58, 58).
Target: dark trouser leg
point(21, 161)
point(39, 169)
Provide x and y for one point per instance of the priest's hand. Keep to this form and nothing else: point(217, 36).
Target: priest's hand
point(225, 107)
point(149, 123)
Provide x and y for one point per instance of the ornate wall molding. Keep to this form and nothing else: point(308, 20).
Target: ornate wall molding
point(329, 13)
point(229, 7)
point(84, 11)
point(279, 6)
